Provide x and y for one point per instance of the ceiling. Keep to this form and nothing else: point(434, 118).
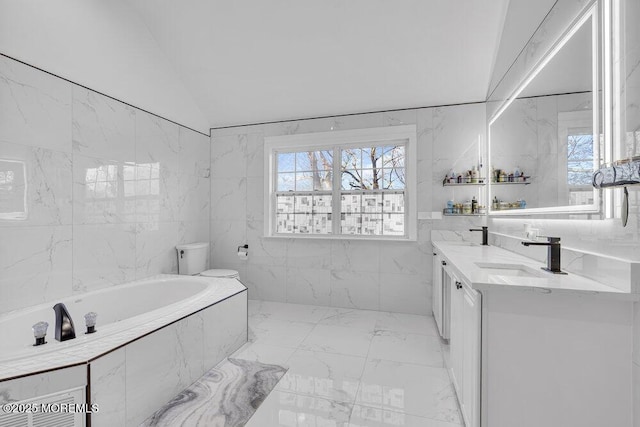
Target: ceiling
point(253, 61)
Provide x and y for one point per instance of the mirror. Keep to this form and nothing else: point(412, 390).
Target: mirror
point(544, 139)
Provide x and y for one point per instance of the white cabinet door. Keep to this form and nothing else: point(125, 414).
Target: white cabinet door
point(436, 302)
point(456, 342)
point(471, 357)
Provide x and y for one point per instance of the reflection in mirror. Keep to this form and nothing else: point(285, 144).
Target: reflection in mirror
point(542, 146)
point(13, 190)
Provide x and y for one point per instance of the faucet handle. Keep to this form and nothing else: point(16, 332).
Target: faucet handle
point(551, 239)
point(39, 332)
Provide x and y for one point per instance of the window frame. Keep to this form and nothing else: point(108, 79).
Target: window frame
point(336, 140)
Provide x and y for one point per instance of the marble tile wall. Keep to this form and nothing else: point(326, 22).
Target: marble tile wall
point(388, 276)
point(131, 383)
point(93, 193)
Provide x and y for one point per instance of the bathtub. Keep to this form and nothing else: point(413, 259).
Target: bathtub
point(177, 326)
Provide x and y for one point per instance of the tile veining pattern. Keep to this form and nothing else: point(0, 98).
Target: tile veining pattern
point(226, 395)
point(350, 367)
point(371, 275)
point(95, 193)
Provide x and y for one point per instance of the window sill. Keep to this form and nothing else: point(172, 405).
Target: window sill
point(346, 237)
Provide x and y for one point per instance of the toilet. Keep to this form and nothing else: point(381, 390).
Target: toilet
point(192, 261)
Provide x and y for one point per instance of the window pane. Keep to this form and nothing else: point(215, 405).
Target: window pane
point(350, 224)
point(286, 181)
point(580, 147)
point(304, 181)
point(303, 204)
point(303, 223)
point(372, 157)
point(284, 204)
point(579, 173)
point(351, 158)
point(393, 225)
point(372, 203)
point(393, 156)
point(351, 180)
point(129, 189)
point(322, 223)
point(284, 223)
point(351, 203)
point(371, 180)
point(372, 224)
point(322, 204)
point(143, 171)
point(394, 179)
point(129, 172)
point(393, 203)
point(314, 160)
point(286, 162)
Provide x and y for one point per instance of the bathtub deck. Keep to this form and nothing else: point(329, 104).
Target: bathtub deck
point(85, 348)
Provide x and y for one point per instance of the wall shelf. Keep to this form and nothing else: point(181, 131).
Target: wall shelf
point(457, 184)
point(527, 182)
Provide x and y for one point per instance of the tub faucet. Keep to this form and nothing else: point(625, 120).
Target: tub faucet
point(485, 234)
point(553, 254)
point(64, 325)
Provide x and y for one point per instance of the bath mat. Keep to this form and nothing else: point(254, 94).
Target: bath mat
point(225, 396)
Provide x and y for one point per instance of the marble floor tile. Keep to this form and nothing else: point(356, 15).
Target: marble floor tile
point(264, 353)
point(338, 339)
point(293, 312)
point(289, 409)
point(406, 348)
point(227, 395)
point(364, 320)
point(364, 416)
point(281, 332)
point(418, 390)
point(411, 323)
point(333, 376)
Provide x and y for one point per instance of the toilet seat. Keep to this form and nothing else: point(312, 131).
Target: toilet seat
point(221, 273)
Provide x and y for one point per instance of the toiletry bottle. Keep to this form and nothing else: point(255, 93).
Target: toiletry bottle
point(516, 174)
point(474, 205)
point(495, 204)
point(466, 207)
point(450, 206)
point(474, 175)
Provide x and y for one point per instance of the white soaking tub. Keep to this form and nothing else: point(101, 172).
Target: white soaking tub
point(180, 325)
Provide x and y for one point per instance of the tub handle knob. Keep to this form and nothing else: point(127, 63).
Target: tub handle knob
point(39, 332)
point(181, 253)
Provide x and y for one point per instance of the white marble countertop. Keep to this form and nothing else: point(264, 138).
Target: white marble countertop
point(464, 258)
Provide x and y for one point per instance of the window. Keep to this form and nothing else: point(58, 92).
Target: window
point(580, 167)
point(346, 184)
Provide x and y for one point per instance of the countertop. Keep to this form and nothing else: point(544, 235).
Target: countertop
point(464, 257)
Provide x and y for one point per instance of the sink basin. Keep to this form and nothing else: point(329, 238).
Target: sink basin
point(511, 270)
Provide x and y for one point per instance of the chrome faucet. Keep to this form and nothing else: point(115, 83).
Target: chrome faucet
point(64, 325)
point(553, 254)
point(485, 234)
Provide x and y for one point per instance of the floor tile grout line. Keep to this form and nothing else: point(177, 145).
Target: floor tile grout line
point(410, 414)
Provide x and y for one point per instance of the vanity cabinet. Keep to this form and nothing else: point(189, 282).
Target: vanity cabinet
point(465, 349)
point(522, 354)
point(441, 293)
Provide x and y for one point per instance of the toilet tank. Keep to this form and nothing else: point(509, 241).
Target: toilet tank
point(192, 258)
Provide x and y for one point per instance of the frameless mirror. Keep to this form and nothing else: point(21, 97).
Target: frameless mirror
point(544, 141)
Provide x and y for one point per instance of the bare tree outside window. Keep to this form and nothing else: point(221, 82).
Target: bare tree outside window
point(371, 191)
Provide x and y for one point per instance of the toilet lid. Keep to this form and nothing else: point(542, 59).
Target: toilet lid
point(218, 272)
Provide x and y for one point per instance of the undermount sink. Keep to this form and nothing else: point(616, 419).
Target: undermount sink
point(512, 270)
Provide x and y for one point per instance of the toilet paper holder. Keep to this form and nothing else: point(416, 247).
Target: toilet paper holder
point(243, 251)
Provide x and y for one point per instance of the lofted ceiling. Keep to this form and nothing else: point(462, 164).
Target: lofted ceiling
point(253, 61)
